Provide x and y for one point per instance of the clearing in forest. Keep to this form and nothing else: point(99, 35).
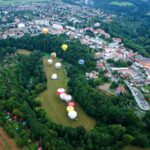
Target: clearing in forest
point(55, 108)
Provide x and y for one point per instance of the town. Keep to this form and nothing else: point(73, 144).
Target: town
point(127, 70)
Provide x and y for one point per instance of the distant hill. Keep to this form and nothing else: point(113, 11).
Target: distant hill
point(118, 6)
point(19, 2)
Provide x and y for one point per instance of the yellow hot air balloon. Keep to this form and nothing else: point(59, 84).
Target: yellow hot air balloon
point(45, 31)
point(70, 108)
point(64, 47)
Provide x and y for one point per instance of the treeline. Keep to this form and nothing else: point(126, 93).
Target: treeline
point(117, 121)
point(134, 33)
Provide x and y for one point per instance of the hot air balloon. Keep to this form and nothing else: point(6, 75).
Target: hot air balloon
point(58, 65)
point(71, 104)
point(69, 108)
point(62, 96)
point(64, 47)
point(60, 91)
point(21, 25)
point(72, 114)
point(68, 98)
point(54, 76)
point(53, 55)
point(50, 61)
point(81, 61)
point(45, 31)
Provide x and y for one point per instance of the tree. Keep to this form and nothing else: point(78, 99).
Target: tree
point(141, 140)
point(17, 113)
point(117, 131)
point(114, 85)
point(128, 139)
point(146, 119)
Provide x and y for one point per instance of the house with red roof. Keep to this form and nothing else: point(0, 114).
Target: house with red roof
point(120, 90)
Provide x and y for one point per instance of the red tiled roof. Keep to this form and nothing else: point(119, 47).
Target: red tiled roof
point(120, 89)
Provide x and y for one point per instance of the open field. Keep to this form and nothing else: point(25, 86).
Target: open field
point(19, 2)
point(23, 52)
point(55, 108)
point(135, 148)
point(122, 4)
point(6, 143)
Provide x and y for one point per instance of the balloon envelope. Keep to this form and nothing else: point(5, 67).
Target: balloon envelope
point(50, 61)
point(68, 98)
point(45, 31)
point(69, 108)
point(81, 61)
point(54, 76)
point(60, 91)
point(71, 104)
point(72, 114)
point(58, 65)
point(53, 55)
point(21, 25)
point(64, 47)
point(62, 96)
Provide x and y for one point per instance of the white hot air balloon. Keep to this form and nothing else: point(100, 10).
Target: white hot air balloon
point(58, 65)
point(60, 91)
point(50, 61)
point(72, 114)
point(63, 96)
point(68, 98)
point(54, 76)
point(21, 25)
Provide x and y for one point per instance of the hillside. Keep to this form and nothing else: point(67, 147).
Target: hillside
point(131, 23)
point(123, 7)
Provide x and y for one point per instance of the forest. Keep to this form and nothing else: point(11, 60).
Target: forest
point(22, 79)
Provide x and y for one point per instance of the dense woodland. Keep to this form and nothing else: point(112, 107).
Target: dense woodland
point(22, 79)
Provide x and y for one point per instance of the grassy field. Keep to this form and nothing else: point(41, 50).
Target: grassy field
point(23, 52)
point(135, 148)
point(122, 4)
point(6, 143)
point(55, 108)
point(18, 2)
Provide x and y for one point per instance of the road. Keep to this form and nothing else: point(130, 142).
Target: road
point(139, 97)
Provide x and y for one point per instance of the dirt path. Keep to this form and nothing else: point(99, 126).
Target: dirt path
point(6, 143)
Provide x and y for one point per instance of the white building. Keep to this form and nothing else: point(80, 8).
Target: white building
point(57, 26)
point(42, 22)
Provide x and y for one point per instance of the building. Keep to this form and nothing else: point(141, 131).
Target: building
point(120, 90)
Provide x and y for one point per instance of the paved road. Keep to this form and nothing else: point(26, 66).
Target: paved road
point(139, 97)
